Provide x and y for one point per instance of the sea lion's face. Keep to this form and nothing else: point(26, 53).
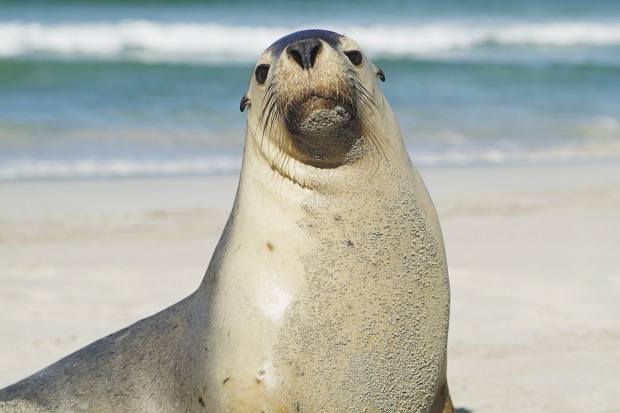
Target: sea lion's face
point(309, 91)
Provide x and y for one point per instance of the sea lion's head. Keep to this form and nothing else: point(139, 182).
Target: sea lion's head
point(313, 98)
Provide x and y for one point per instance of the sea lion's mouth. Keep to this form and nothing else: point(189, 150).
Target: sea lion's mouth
point(323, 130)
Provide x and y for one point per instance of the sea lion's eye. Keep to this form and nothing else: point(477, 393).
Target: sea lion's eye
point(261, 74)
point(355, 57)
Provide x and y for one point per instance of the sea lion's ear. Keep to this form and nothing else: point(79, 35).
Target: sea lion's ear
point(245, 101)
point(380, 74)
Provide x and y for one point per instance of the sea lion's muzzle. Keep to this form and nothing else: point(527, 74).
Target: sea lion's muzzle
point(320, 110)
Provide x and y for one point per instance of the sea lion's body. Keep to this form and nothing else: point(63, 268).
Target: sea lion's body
point(328, 291)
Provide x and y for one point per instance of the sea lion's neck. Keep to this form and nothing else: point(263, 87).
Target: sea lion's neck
point(274, 203)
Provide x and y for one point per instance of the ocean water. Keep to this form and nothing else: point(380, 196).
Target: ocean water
point(106, 88)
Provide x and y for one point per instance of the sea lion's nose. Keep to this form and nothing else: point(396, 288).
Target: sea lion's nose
point(304, 52)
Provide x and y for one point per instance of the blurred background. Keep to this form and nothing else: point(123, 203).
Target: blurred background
point(106, 88)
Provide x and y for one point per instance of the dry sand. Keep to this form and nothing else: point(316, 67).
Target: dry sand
point(533, 252)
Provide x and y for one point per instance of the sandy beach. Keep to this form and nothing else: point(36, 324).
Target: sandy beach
point(533, 252)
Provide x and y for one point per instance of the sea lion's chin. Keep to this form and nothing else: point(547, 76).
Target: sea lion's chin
point(323, 131)
point(316, 116)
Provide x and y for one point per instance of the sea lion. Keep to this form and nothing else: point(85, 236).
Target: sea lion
point(328, 290)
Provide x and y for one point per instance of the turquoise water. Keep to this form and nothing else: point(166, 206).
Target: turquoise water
point(123, 88)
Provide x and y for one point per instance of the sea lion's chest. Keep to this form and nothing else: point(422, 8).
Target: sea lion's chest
point(339, 308)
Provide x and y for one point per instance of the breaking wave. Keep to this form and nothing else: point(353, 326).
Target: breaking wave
point(206, 42)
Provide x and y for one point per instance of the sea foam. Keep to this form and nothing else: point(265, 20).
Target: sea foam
point(199, 42)
point(116, 168)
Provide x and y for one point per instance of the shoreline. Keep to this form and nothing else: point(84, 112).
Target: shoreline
point(532, 254)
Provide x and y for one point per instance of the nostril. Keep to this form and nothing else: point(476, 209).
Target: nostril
point(297, 56)
point(305, 52)
point(314, 51)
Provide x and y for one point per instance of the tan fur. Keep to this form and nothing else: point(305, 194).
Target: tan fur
point(328, 290)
